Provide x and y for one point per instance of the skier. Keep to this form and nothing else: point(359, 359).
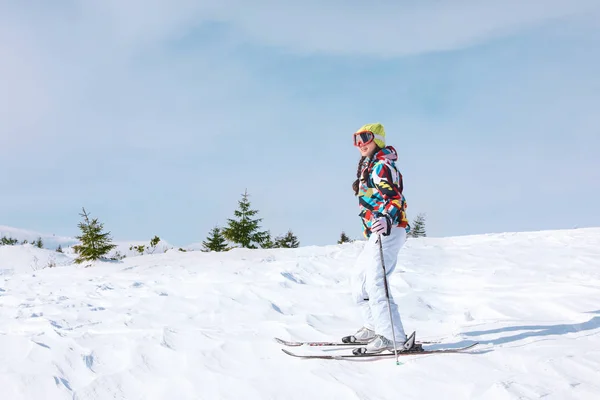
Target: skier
point(382, 209)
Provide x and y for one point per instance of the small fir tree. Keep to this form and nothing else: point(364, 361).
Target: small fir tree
point(8, 241)
point(59, 249)
point(344, 238)
point(118, 256)
point(215, 241)
point(140, 248)
point(245, 231)
point(418, 227)
point(143, 248)
point(95, 244)
point(153, 243)
point(288, 241)
point(38, 243)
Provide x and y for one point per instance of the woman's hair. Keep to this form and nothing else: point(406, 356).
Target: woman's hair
point(356, 183)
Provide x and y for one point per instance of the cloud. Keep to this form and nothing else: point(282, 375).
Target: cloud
point(66, 67)
point(394, 28)
point(54, 54)
point(381, 29)
point(82, 70)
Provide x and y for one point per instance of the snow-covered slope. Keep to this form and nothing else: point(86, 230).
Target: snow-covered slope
point(28, 258)
point(201, 325)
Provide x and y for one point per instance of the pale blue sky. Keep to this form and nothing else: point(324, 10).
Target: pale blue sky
point(157, 117)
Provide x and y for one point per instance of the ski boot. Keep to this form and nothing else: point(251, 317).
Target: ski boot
point(363, 335)
point(381, 343)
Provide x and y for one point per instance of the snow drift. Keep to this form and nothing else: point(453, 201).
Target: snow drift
point(201, 325)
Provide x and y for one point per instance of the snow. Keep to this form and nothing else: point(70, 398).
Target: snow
point(28, 258)
point(50, 241)
point(124, 247)
point(193, 325)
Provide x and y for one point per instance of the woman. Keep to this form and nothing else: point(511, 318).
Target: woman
point(382, 210)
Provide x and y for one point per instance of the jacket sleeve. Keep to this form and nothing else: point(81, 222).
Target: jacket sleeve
point(383, 178)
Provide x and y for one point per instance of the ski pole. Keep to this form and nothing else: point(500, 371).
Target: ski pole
point(387, 295)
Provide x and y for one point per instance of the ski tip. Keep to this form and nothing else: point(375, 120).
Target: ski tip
point(285, 342)
point(309, 356)
point(289, 353)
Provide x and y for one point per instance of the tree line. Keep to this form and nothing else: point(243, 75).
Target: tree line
point(10, 241)
point(242, 231)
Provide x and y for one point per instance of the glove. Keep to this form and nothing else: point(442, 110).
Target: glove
point(382, 226)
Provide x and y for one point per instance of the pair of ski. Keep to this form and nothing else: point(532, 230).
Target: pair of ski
point(357, 344)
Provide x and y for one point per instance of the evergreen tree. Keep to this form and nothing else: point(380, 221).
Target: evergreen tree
point(153, 243)
point(215, 241)
point(59, 249)
point(118, 256)
point(344, 238)
point(417, 228)
point(94, 243)
point(244, 230)
point(38, 243)
point(140, 248)
point(267, 242)
point(143, 248)
point(8, 241)
point(288, 241)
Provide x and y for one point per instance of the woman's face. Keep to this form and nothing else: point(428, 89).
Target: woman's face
point(367, 150)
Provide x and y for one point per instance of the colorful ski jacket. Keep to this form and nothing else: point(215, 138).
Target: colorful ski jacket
point(381, 192)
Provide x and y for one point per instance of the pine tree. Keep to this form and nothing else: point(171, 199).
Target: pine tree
point(417, 228)
point(215, 241)
point(153, 243)
point(8, 241)
point(344, 238)
point(288, 241)
point(139, 248)
point(94, 243)
point(267, 242)
point(59, 249)
point(244, 230)
point(38, 243)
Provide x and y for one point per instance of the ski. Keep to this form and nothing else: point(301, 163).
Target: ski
point(379, 355)
point(331, 344)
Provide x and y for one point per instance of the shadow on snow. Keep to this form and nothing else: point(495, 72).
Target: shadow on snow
point(528, 332)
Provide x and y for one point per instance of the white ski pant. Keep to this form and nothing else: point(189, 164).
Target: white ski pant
point(369, 287)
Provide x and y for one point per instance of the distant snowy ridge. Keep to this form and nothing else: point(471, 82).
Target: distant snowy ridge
point(50, 241)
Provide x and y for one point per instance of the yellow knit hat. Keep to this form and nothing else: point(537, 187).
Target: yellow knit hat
point(377, 130)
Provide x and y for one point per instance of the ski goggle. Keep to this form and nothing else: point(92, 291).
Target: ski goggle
point(365, 137)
